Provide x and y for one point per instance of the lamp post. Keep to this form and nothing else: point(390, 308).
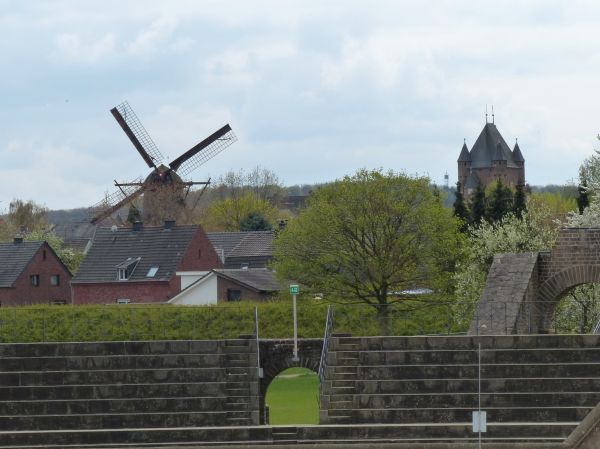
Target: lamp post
point(294, 290)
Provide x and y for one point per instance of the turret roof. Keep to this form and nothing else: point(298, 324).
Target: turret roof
point(464, 154)
point(517, 155)
point(488, 144)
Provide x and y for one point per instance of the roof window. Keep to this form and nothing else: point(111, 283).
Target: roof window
point(152, 272)
point(125, 268)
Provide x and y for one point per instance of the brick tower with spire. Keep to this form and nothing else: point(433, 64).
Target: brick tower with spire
point(489, 160)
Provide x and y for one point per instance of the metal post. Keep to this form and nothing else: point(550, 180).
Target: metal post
point(295, 358)
point(479, 389)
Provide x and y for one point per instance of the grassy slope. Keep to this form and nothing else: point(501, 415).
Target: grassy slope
point(292, 397)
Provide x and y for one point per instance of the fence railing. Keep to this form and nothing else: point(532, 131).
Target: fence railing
point(325, 348)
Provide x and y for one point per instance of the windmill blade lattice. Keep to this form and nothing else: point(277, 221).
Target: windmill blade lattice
point(117, 199)
point(144, 143)
point(203, 151)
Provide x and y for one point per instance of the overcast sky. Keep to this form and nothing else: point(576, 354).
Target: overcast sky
point(313, 89)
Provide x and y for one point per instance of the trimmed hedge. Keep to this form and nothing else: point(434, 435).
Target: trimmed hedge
point(166, 322)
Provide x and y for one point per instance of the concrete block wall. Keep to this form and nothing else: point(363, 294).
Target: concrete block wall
point(134, 385)
point(542, 383)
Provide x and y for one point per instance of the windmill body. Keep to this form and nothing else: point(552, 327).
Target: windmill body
point(164, 189)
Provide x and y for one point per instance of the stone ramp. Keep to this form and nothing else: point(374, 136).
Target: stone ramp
point(49, 389)
point(532, 383)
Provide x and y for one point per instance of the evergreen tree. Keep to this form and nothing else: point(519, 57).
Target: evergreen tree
point(254, 221)
point(583, 199)
point(478, 205)
point(520, 205)
point(460, 209)
point(500, 203)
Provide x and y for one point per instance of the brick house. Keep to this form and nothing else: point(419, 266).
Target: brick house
point(140, 264)
point(32, 273)
point(244, 249)
point(226, 285)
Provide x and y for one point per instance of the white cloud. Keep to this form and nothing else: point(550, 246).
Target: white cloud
point(73, 48)
point(151, 39)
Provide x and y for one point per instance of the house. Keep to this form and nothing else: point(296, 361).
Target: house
point(250, 249)
point(223, 285)
point(489, 160)
point(140, 264)
point(32, 273)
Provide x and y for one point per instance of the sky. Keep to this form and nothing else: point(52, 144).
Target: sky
point(314, 90)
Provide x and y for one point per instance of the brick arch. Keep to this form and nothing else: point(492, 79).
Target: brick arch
point(563, 281)
point(276, 357)
point(555, 287)
point(523, 289)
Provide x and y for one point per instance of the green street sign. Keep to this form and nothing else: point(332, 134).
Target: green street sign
point(294, 289)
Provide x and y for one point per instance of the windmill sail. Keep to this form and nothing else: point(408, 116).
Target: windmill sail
point(138, 135)
point(203, 151)
point(114, 201)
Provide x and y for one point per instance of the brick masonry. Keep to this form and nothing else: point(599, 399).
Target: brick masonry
point(522, 290)
point(45, 264)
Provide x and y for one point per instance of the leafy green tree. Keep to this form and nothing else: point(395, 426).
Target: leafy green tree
point(27, 216)
point(460, 209)
point(583, 198)
point(369, 238)
point(229, 213)
point(255, 222)
point(478, 210)
point(520, 204)
point(500, 202)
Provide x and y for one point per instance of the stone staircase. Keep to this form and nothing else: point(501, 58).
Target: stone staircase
point(533, 387)
point(83, 393)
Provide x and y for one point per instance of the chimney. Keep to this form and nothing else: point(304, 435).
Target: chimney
point(18, 239)
point(137, 225)
point(169, 224)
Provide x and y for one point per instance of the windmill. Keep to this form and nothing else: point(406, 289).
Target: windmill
point(164, 188)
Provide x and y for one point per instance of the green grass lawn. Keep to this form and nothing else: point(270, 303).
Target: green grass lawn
point(292, 397)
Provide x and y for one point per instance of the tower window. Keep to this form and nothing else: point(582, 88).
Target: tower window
point(55, 280)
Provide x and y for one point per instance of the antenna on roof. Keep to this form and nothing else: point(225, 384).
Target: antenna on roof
point(492, 114)
point(486, 114)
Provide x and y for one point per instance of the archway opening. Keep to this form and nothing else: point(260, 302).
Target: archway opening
point(577, 310)
point(292, 397)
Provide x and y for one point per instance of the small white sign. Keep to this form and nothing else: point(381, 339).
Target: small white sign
point(479, 421)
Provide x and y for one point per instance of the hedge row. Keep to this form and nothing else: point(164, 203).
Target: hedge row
point(141, 322)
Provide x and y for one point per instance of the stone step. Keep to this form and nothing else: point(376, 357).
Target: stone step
point(133, 348)
point(343, 383)
point(133, 405)
point(454, 415)
point(112, 362)
point(340, 405)
point(472, 342)
point(530, 370)
point(470, 400)
point(171, 375)
point(119, 391)
point(123, 420)
point(495, 356)
point(343, 435)
point(516, 385)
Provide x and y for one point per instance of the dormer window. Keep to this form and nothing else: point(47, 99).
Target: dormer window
point(125, 269)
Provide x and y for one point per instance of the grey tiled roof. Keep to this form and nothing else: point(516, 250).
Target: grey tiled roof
point(259, 279)
point(155, 246)
point(243, 244)
point(14, 257)
point(484, 150)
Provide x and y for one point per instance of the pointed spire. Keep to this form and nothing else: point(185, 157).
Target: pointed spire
point(493, 114)
point(498, 153)
point(465, 156)
point(517, 155)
